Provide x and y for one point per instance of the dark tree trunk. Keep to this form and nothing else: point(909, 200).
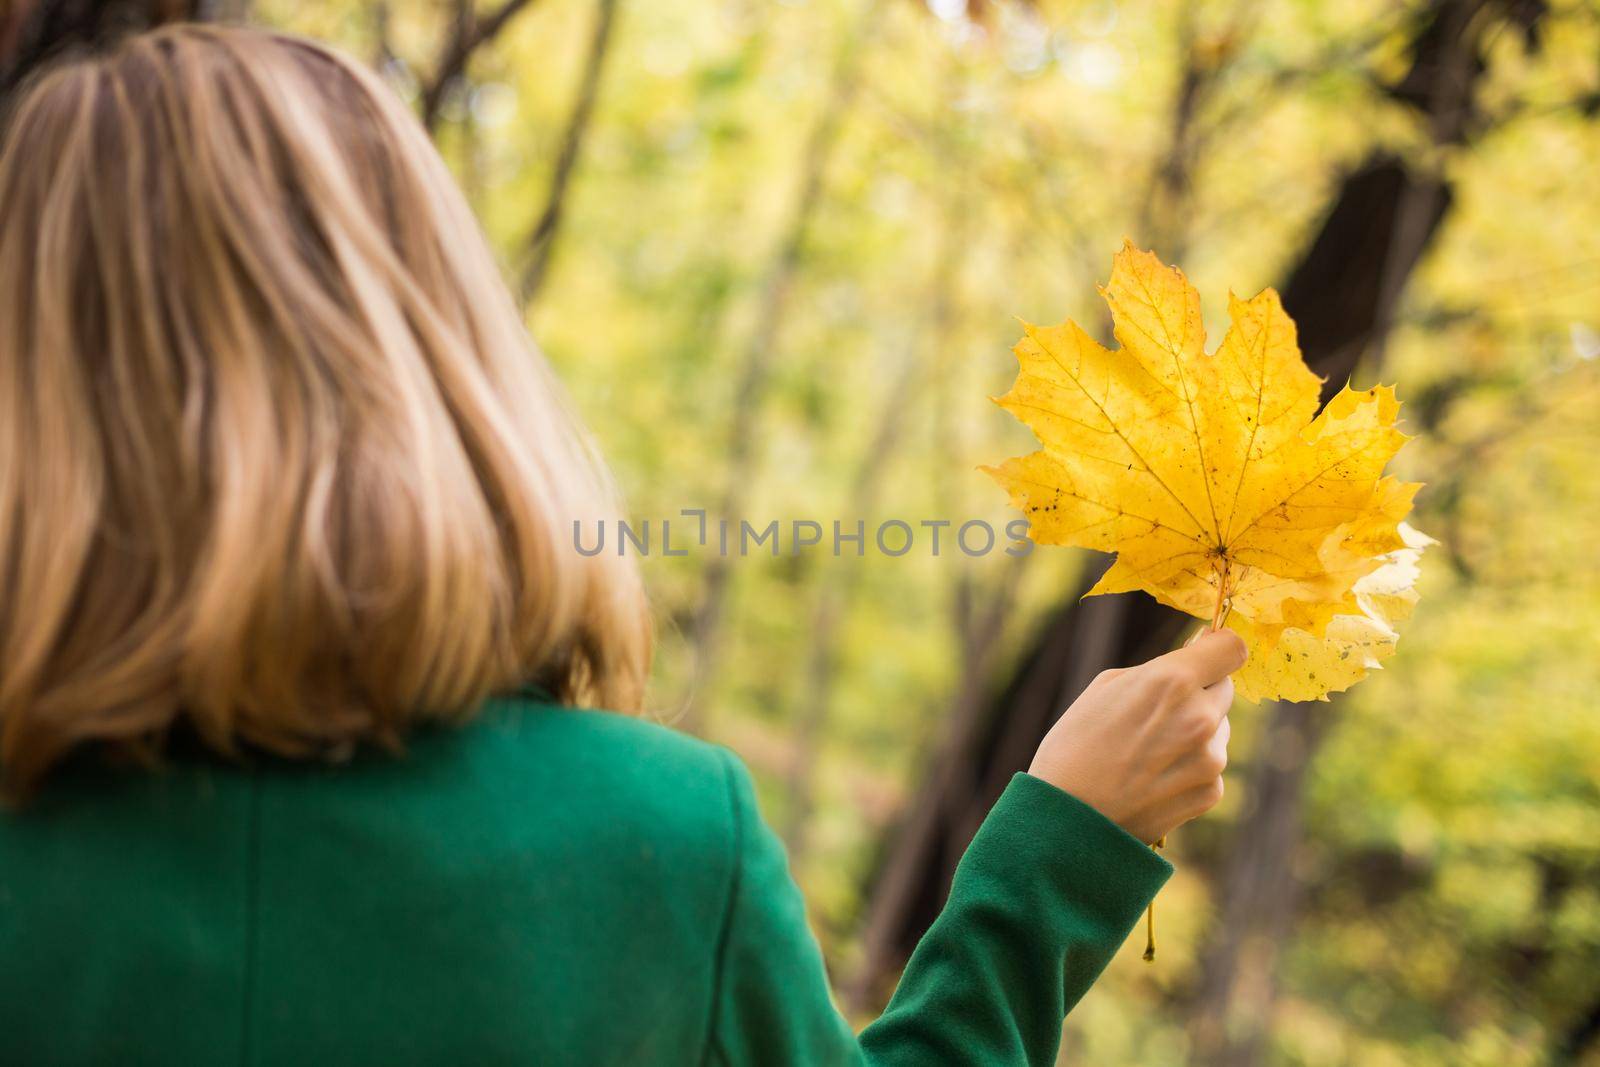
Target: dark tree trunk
point(1583, 1035)
point(1342, 294)
point(31, 31)
point(1231, 1020)
point(1231, 1015)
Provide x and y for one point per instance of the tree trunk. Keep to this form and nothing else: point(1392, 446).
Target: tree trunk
point(1582, 1036)
point(1231, 1016)
point(760, 356)
point(837, 588)
point(1231, 1022)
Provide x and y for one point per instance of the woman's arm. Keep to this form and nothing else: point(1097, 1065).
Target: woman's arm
point(1046, 893)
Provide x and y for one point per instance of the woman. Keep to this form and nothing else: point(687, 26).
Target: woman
point(291, 635)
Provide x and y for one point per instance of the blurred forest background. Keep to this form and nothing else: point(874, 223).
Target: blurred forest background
point(776, 250)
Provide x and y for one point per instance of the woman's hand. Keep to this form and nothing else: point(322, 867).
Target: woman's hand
point(1146, 746)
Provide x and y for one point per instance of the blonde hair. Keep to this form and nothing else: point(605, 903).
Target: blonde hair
point(278, 463)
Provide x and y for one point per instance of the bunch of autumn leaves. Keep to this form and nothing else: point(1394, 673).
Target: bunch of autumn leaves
point(1221, 488)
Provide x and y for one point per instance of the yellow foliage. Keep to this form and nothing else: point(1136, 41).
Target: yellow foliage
point(1220, 487)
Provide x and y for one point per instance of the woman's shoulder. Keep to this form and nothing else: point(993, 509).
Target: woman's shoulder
point(589, 740)
point(619, 767)
point(649, 805)
point(520, 757)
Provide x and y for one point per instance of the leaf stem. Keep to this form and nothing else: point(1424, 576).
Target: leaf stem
point(1223, 596)
point(1150, 913)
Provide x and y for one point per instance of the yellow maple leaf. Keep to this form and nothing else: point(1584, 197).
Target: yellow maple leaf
point(1216, 481)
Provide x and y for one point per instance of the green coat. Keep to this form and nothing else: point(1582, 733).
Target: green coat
point(545, 886)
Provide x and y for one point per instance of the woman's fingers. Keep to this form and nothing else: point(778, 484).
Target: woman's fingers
point(1213, 656)
point(1218, 745)
point(1201, 730)
point(1217, 654)
point(1190, 722)
point(1214, 701)
point(1200, 763)
point(1197, 777)
point(1195, 802)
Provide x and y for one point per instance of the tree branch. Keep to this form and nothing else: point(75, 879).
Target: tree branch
point(542, 240)
point(466, 38)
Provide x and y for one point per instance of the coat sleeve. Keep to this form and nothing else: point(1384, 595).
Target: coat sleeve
point(1047, 892)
